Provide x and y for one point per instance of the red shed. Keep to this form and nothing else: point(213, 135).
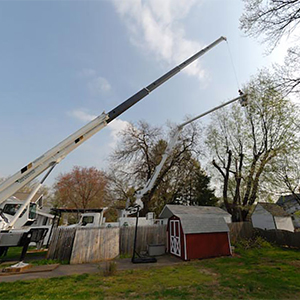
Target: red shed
point(194, 236)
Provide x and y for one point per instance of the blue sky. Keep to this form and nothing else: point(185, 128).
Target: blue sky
point(64, 62)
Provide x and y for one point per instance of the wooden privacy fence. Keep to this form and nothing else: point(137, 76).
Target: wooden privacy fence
point(95, 244)
point(83, 245)
point(147, 235)
point(240, 230)
point(280, 237)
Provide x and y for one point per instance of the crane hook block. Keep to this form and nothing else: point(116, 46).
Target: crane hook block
point(243, 101)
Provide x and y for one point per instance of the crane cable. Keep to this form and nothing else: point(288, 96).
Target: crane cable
point(233, 67)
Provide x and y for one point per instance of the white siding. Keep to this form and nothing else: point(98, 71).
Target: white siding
point(262, 218)
point(132, 221)
point(228, 219)
point(284, 223)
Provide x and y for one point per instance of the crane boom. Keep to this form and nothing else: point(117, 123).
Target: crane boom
point(57, 153)
point(171, 144)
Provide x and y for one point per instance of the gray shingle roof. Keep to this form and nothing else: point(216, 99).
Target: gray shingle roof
point(274, 209)
point(201, 224)
point(287, 198)
point(171, 209)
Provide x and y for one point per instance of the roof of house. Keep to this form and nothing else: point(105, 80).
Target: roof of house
point(274, 209)
point(287, 198)
point(171, 209)
point(202, 224)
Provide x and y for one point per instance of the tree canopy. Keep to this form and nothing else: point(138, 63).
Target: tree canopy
point(82, 188)
point(243, 142)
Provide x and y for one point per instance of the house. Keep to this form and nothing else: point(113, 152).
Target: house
point(211, 211)
point(291, 204)
point(197, 236)
point(271, 216)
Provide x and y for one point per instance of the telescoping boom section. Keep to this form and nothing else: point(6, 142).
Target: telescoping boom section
point(60, 151)
point(170, 147)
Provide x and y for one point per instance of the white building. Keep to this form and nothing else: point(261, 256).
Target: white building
point(271, 216)
point(291, 204)
point(124, 220)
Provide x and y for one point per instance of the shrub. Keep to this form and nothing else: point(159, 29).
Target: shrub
point(110, 268)
point(256, 242)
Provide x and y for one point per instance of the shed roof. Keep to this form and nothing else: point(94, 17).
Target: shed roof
point(171, 209)
point(274, 209)
point(201, 224)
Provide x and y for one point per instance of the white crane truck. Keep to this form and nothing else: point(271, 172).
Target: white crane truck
point(11, 231)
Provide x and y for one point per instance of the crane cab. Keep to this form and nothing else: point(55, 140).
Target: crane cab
point(12, 205)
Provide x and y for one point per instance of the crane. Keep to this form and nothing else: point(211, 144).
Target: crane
point(138, 203)
point(55, 155)
point(170, 146)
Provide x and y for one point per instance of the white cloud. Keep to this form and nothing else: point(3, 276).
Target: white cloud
point(155, 26)
point(115, 127)
point(81, 115)
point(98, 85)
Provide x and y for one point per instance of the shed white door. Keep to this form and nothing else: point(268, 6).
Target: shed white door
point(175, 246)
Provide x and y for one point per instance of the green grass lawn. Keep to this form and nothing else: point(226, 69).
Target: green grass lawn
point(263, 272)
point(32, 256)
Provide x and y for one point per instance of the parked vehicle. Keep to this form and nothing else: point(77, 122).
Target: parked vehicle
point(90, 219)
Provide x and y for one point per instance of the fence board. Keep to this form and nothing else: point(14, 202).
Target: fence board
point(95, 244)
point(61, 244)
point(281, 237)
point(156, 234)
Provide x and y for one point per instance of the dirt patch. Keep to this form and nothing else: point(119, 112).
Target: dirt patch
point(295, 263)
point(208, 272)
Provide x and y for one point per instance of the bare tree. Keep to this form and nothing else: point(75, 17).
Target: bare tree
point(140, 151)
point(287, 76)
point(274, 18)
